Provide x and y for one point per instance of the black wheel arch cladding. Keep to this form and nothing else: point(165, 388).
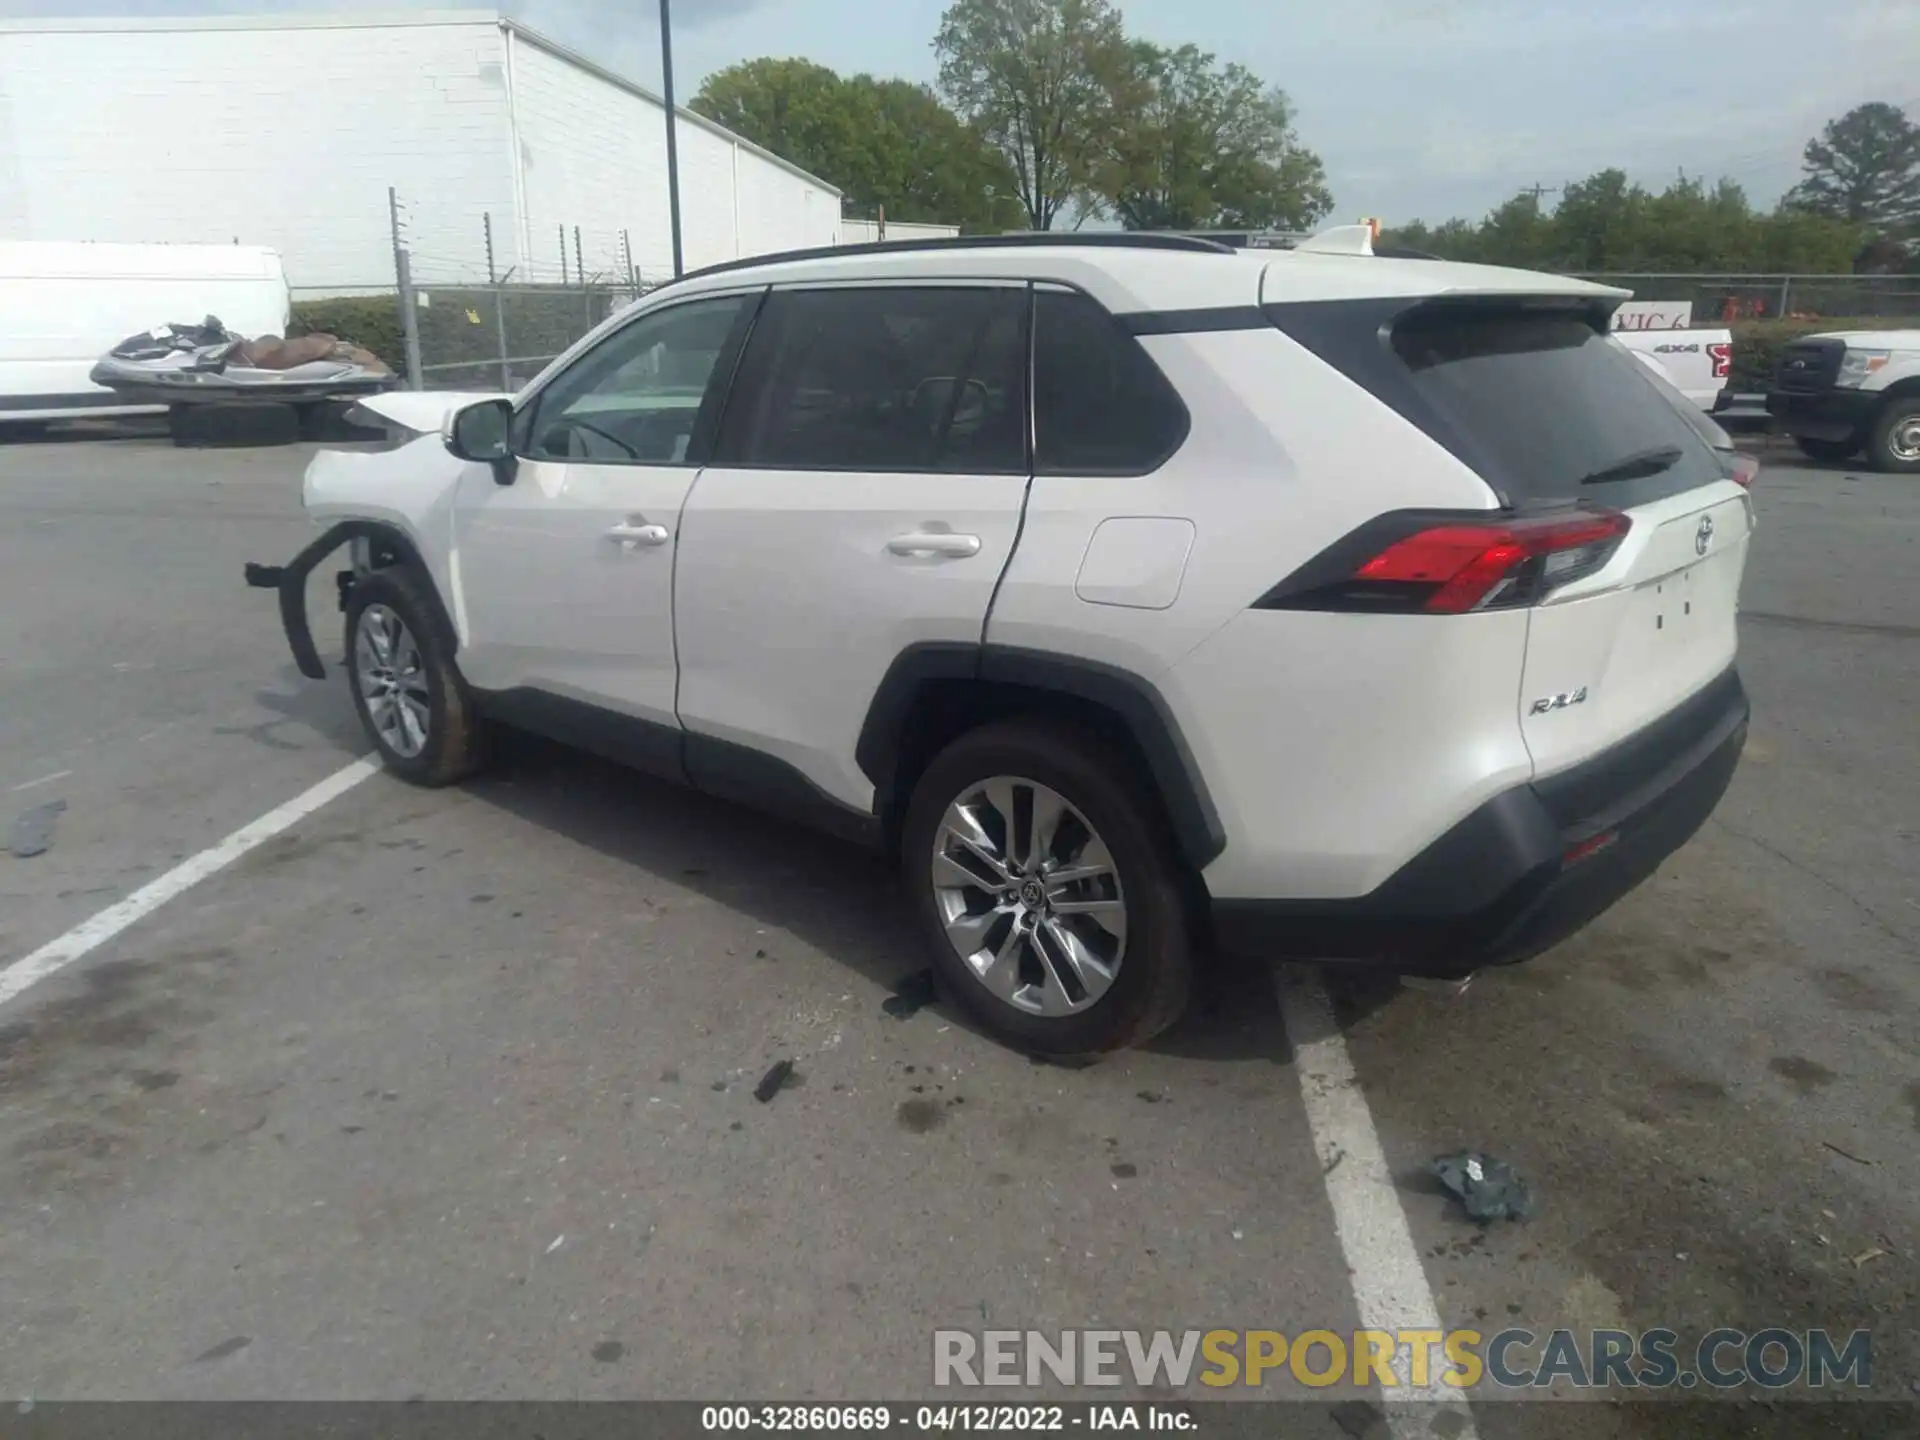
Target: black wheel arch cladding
point(1132, 701)
point(291, 581)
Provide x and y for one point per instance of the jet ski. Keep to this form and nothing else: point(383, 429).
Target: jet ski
point(203, 364)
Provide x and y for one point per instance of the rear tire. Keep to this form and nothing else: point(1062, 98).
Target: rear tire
point(1894, 444)
point(415, 707)
point(1826, 449)
point(1027, 941)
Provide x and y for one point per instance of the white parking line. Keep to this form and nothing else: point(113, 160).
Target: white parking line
point(89, 934)
point(43, 780)
point(1389, 1284)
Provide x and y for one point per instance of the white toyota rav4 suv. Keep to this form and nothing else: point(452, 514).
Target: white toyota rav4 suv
point(1138, 594)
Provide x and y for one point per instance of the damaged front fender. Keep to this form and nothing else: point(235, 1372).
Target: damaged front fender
point(291, 581)
point(398, 501)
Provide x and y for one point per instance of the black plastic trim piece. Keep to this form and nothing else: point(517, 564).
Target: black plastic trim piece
point(726, 370)
point(291, 581)
point(1133, 701)
point(719, 768)
point(1496, 889)
point(877, 752)
point(1598, 792)
point(645, 745)
point(1194, 322)
point(1142, 709)
point(739, 773)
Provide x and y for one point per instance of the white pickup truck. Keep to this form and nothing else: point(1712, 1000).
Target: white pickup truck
point(1661, 333)
point(1850, 391)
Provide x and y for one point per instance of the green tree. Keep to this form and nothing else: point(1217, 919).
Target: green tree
point(1197, 145)
point(927, 164)
point(1036, 78)
point(797, 109)
point(1864, 167)
point(1605, 223)
point(885, 143)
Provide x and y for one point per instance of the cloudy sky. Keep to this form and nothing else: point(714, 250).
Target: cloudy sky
point(1422, 108)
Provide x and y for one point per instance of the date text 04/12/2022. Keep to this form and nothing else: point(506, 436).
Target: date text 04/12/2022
point(944, 1419)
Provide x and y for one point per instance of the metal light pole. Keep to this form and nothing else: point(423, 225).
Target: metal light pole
point(673, 149)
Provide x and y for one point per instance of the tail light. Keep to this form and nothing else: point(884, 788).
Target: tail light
point(1411, 563)
point(1722, 357)
point(1743, 470)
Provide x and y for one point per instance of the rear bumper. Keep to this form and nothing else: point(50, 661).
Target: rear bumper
point(1822, 414)
point(1501, 887)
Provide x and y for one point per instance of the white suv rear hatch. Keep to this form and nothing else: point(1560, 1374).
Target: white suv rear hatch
point(1559, 420)
point(1553, 413)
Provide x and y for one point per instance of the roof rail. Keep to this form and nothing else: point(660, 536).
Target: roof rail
point(1016, 240)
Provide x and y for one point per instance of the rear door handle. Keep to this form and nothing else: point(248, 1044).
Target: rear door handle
point(632, 537)
point(934, 542)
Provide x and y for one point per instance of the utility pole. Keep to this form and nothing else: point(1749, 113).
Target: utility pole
point(1537, 191)
point(673, 149)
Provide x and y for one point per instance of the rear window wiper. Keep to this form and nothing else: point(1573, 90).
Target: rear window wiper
point(1637, 466)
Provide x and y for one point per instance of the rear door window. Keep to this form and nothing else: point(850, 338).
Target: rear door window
point(1100, 404)
point(1543, 406)
point(928, 379)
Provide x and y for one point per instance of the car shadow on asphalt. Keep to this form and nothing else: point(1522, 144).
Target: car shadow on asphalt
point(838, 898)
point(322, 707)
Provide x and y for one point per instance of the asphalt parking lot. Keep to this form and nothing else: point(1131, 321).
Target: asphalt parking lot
point(450, 1093)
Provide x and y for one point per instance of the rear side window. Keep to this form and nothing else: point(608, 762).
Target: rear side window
point(910, 379)
point(1100, 404)
point(1543, 406)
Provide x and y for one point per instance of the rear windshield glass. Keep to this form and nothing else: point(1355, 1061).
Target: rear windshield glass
point(1546, 408)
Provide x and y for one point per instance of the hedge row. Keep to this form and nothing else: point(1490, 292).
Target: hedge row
point(371, 321)
point(463, 327)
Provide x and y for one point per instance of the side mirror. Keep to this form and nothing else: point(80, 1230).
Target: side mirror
point(481, 433)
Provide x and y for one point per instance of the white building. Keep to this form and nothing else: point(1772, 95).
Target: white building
point(287, 131)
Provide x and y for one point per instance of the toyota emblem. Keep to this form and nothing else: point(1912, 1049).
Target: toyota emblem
point(1703, 537)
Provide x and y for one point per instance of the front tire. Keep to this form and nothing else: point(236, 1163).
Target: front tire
point(1055, 910)
point(414, 705)
point(1815, 449)
point(1894, 446)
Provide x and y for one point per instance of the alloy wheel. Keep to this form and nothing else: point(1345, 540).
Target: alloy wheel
point(393, 680)
point(1029, 896)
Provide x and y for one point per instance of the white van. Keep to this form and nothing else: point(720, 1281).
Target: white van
point(65, 304)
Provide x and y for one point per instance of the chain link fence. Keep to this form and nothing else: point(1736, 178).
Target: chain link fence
point(468, 321)
point(1732, 299)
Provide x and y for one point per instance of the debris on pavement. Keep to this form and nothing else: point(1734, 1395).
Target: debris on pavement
point(911, 996)
point(771, 1082)
point(1848, 1154)
point(558, 1241)
point(33, 829)
point(1490, 1189)
point(1874, 1253)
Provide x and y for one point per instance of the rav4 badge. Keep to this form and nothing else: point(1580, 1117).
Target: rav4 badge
point(1547, 704)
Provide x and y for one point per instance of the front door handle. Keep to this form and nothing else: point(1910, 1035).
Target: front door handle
point(632, 537)
point(934, 542)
